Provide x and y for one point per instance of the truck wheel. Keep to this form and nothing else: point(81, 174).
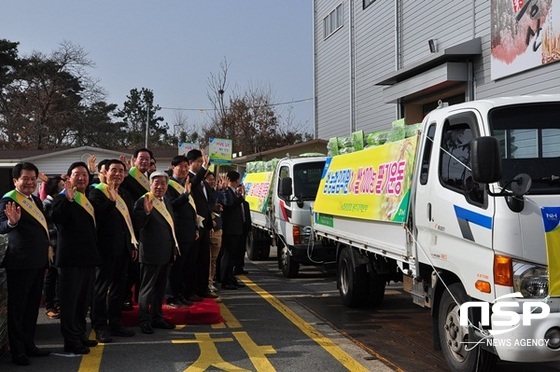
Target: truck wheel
point(265, 249)
point(352, 281)
point(377, 284)
point(289, 267)
point(453, 336)
point(253, 245)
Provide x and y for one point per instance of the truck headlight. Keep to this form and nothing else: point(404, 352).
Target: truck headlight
point(529, 279)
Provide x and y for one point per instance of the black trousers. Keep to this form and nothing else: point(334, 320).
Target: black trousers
point(76, 287)
point(153, 280)
point(198, 269)
point(230, 249)
point(24, 297)
point(108, 292)
point(180, 268)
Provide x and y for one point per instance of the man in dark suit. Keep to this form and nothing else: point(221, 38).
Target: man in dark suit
point(197, 286)
point(22, 218)
point(76, 257)
point(247, 225)
point(184, 211)
point(117, 246)
point(232, 225)
point(136, 183)
point(153, 217)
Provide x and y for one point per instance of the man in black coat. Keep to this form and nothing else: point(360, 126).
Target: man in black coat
point(232, 225)
point(153, 218)
point(197, 286)
point(184, 211)
point(76, 257)
point(136, 183)
point(117, 246)
point(22, 218)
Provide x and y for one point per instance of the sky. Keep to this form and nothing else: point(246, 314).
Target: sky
point(172, 47)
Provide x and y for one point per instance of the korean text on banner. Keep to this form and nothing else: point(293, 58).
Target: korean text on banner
point(220, 150)
point(551, 219)
point(372, 184)
point(257, 190)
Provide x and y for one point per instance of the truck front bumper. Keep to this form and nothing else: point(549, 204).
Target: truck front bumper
point(528, 343)
point(313, 254)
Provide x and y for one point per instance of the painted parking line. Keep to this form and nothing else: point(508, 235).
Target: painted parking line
point(338, 353)
point(230, 320)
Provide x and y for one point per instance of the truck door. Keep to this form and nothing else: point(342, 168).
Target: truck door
point(453, 214)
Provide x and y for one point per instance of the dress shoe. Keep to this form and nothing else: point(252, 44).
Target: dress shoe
point(240, 284)
point(162, 324)
point(36, 352)
point(194, 298)
point(122, 332)
point(146, 328)
point(182, 300)
point(103, 336)
point(209, 295)
point(89, 343)
point(240, 272)
point(229, 286)
point(21, 360)
point(80, 349)
point(127, 306)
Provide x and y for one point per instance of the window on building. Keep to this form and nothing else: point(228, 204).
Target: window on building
point(333, 21)
point(367, 3)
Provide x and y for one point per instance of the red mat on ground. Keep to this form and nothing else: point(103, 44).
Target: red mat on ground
point(206, 311)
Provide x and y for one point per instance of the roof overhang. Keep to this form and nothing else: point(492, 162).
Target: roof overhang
point(445, 67)
point(446, 74)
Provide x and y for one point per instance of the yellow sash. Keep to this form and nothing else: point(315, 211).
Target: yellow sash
point(30, 207)
point(181, 189)
point(123, 210)
point(162, 209)
point(83, 202)
point(140, 177)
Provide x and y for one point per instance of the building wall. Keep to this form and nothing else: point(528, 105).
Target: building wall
point(331, 71)
point(386, 40)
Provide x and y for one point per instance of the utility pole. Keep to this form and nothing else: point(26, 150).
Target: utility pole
point(147, 125)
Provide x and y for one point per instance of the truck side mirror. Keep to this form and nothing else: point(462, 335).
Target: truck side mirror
point(285, 187)
point(486, 162)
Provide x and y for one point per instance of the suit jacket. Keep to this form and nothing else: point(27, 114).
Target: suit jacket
point(157, 246)
point(232, 215)
point(112, 232)
point(28, 242)
point(247, 222)
point(184, 215)
point(133, 187)
point(77, 236)
point(198, 188)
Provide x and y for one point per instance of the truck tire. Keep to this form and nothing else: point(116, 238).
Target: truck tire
point(286, 263)
point(265, 249)
point(377, 283)
point(254, 244)
point(452, 335)
point(352, 281)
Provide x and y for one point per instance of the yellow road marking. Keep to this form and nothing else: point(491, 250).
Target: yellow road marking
point(256, 353)
point(342, 356)
point(209, 355)
point(92, 361)
point(231, 320)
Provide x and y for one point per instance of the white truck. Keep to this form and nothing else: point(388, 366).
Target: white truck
point(280, 201)
point(466, 215)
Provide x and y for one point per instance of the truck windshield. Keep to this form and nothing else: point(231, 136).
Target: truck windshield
point(529, 137)
point(306, 179)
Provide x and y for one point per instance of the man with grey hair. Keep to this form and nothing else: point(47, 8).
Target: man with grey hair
point(153, 219)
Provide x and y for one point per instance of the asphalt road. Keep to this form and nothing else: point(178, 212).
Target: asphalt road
point(274, 324)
